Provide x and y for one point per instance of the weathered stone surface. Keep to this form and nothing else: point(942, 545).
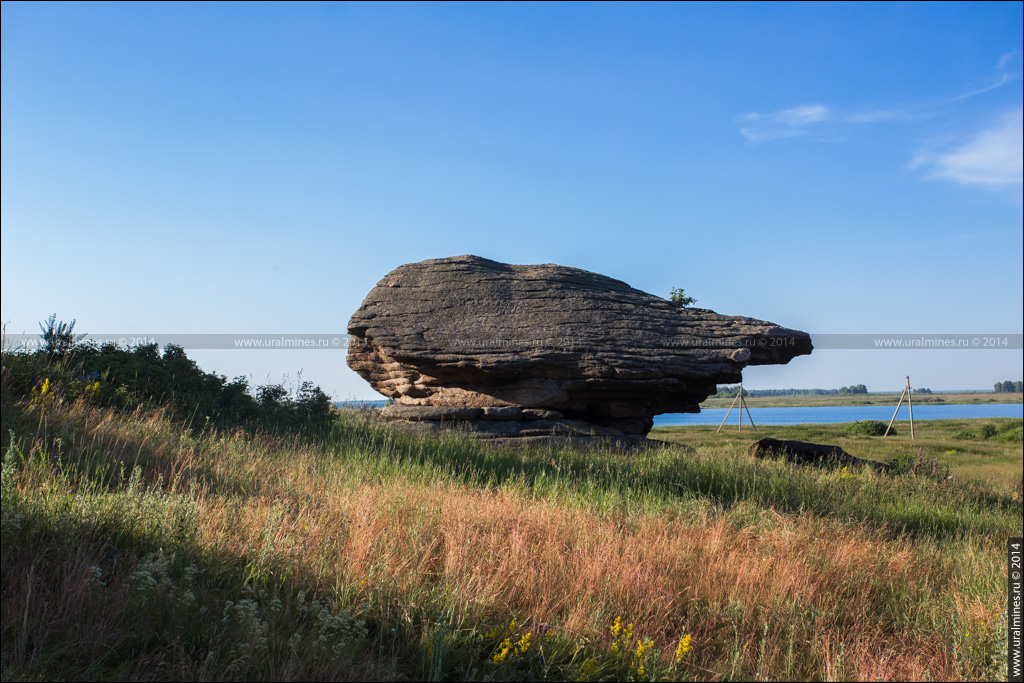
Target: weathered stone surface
point(432, 413)
point(541, 414)
point(467, 332)
point(809, 454)
point(488, 429)
point(624, 443)
point(502, 413)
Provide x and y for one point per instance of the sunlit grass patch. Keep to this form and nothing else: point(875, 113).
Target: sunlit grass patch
point(141, 549)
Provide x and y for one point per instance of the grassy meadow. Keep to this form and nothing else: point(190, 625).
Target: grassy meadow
point(983, 450)
point(138, 547)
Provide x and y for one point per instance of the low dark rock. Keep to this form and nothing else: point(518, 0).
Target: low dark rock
point(809, 454)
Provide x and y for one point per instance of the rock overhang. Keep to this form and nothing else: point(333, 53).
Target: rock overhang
point(470, 332)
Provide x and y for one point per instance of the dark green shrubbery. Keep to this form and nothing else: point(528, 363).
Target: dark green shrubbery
point(142, 376)
point(869, 428)
point(1011, 431)
point(1007, 432)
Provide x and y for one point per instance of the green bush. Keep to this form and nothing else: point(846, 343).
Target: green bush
point(964, 435)
point(143, 377)
point(869, 428)
point(1011, 431)
point(988, 431)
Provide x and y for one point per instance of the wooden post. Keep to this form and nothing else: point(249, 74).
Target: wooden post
point(910, 404)
point(743, 402)
point(739, 413)
point(728, 413)
point(897, 409)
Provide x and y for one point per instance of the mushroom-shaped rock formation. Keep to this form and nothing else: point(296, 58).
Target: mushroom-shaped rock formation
point(521, 351)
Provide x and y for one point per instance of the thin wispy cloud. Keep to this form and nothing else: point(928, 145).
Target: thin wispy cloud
point(782, 124)
point(812, 118)
point(811, 113)
point(1008, 70)
point(872, 116)
point(762, 133)
point(992, 157)
point(1009, 61)
point(805, 119)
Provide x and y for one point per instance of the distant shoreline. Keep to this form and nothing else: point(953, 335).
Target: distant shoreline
point(849, 400)
point(805, 401)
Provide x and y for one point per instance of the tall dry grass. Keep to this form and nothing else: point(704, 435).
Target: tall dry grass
point(134, 548)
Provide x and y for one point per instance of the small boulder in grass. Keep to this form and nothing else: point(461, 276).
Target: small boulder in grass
point(804, 453)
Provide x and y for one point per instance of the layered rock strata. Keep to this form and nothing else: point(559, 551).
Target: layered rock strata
point(508, 351)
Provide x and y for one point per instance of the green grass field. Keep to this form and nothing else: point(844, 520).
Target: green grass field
point(134, 548)
point(960, 445)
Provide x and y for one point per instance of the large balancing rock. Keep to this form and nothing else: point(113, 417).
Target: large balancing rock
point(471, 332)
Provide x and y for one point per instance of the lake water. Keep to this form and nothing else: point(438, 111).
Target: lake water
point(817, 415)
point(830, 414)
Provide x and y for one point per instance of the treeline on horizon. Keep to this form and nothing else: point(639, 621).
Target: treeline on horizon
point(1009, 387)
point(731, 391)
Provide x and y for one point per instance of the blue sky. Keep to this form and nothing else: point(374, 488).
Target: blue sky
point(237, 168)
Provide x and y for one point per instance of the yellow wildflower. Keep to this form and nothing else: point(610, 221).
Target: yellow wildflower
point(617, 626)
point(684, 647)
point(41, 394)
point(502, 653)
point(524, 643)
point(642, 649)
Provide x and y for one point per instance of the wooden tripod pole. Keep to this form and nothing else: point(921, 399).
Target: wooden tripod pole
point(728, 413)
point(910, 404)
point(739, 412)
point(743, 402)
point(897, 408)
